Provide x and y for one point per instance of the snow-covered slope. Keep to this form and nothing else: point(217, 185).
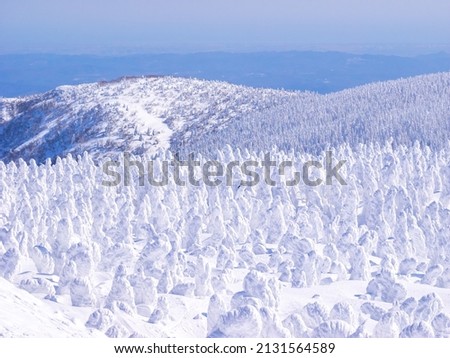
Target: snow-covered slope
point(131, 114)
point(23, 315)
point(406, 110)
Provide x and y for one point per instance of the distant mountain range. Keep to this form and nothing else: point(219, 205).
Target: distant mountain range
point(322, 72)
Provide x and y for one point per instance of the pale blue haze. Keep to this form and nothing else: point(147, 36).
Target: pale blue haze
point(198, 25)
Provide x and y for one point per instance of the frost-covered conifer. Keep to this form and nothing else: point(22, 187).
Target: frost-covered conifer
point(360, 268)
point(202, 278)
point(297, 328)
point(216, 308)
point(121, 290)
point(242, 322)
point(314, 314)
point(161, 311)
point(9, 263)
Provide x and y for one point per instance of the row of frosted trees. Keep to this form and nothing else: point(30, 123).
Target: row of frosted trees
point(387, 226)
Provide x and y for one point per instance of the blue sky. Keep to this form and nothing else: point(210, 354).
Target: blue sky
point(200, 25)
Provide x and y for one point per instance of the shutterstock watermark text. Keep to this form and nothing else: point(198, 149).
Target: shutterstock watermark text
point(157, 172)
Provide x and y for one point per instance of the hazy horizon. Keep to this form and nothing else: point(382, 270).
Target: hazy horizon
point(177, 26)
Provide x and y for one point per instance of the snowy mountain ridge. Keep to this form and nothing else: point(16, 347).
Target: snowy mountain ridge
point(143, 114)
point(138, 115)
